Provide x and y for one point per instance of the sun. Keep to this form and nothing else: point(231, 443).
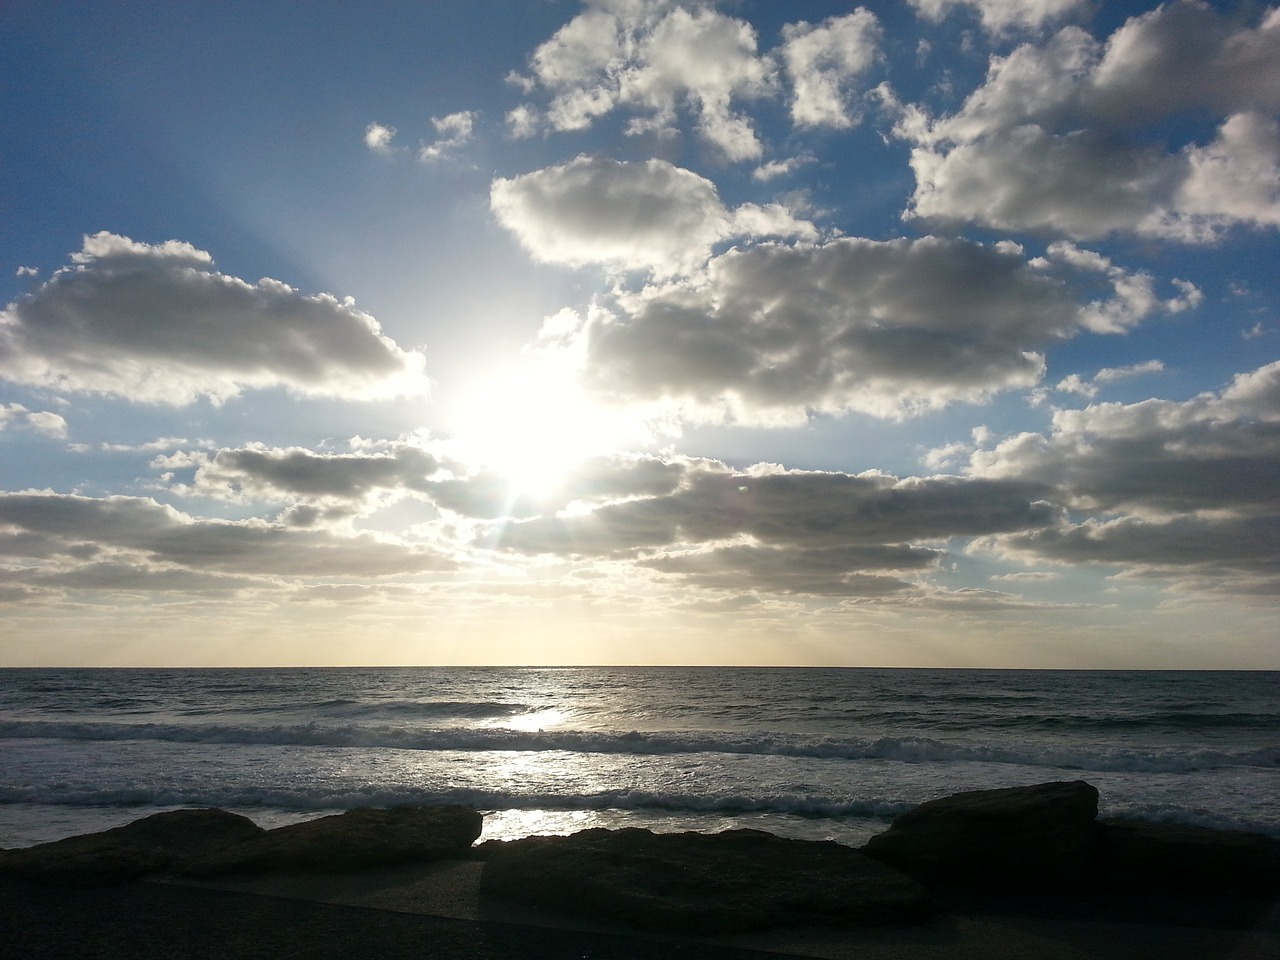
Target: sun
point(531, 423)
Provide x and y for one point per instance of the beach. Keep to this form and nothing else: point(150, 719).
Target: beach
point(1052, 882)
point(435, 911)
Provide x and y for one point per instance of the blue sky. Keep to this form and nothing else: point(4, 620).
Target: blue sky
point(634, 331)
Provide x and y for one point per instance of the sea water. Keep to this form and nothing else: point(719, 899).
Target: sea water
point(810, 753)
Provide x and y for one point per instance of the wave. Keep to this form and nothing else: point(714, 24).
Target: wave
point(319, 800)
point(316, 798)
point(1100, 758)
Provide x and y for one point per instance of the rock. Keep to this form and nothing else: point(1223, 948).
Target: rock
point(1177, 857)
point(355, 840)
point(1042, 835)
point(150, 845)
point(731, 882)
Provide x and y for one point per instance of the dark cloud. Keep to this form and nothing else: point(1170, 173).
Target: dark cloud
point(272, 473)
point(159, 324)
point(788, 531)
point(890, 328)
point(130, 532)
point(1181, 489)
point(1215, 452)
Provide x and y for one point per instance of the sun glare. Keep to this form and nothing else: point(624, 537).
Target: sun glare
point(532, 424)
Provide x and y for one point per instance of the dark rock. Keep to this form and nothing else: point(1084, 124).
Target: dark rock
point(1042, 835)
point(355, 840)
point(150, 845)
point(1165, 856)
point(731, 882)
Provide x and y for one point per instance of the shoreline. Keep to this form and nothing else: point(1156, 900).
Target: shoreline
point(984, 875)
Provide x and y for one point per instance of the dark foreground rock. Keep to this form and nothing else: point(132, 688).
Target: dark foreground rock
point(732, 882)
point(356, 840)
point(1135, 854)
point(152, 845)
point(1044, 835)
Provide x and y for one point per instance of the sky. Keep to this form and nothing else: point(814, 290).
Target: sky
point(930, 333)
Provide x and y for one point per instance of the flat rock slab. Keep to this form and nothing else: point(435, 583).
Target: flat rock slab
point(738, 881)
point(151, 845)
point(1043, 835)
point(356, 840)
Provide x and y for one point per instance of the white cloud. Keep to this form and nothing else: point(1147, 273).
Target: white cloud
point(378, 137)
point(136, 543)
point(522, 121)
point(1001, 16)
point(780, 168)
point(634, 216)
point(1066, 136)
point(772, 332)
point(28, 272)
point(454, 130)
point(654, 59)
point(822, 61)
point(42, 421)
point(158, 324)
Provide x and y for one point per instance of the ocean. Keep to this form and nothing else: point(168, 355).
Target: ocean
point(831, 754)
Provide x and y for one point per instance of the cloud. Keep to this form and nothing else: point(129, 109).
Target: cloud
point(132, 541)
point(1071, 136)
point(259, 472)
point(1214, 452)
point(336, 487)
point(27, 272)
point(634, 216)
point(454, 130)
point(1002, 16)
point(158, 324)
point(1089, 388)
point(822, 60)
point(653, 59)
point(787, 531)
point(378, 137)
point(1177, 484)
point(770, 333)
point(42, 421)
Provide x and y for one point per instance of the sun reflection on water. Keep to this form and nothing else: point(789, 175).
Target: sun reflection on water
point(535, 720)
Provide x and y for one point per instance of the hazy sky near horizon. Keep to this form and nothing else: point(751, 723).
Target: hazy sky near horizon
point(937, 333)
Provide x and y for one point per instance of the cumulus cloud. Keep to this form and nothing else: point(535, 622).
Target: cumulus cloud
point(378, 137)
point(453, 131)
point(648, 215)
point(1214, 452)
point(1090, 387)
point(137, 543)
point(653, 59)
point(822, 61)
point(770, 333)
point(1001, 16)
point(1069, 136)
point(260, 472)
point(777, 530)
point(1173, 485)
point(42, 421)
point(334, 487)
point(159, 324)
